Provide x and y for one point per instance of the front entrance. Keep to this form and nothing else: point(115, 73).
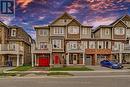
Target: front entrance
point(56, 59)
point(88, 60)
point(75, 59)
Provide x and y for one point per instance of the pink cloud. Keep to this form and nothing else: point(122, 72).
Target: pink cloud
point(103, 6)
point(99, 21)
point(127, 0)
point(23, 3)
point(74, 7)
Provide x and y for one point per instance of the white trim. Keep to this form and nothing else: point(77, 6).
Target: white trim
point(13, 32)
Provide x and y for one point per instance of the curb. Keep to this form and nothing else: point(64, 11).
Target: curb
point(107, 71)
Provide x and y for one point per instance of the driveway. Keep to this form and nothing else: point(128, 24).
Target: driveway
point(100, 68)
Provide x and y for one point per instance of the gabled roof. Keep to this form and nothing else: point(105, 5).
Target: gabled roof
point(113, 24)
point(18, 27)
point(119, 19)
point(74, 20)
point(65, 15)
point(3, 24)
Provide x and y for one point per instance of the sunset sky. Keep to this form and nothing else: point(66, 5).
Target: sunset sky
point(89, 12)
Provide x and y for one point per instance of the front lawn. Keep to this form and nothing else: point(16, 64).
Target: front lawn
point(22, 68)
point(71, 69)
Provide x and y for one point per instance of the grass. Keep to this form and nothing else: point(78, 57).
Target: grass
point(71, 69)
point(59, 73)
point(8, 74)
point(22, 68)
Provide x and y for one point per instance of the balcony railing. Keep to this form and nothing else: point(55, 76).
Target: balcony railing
point(35, 49)
point(127, 47)
point(77, 49)
point(11, 48)
point(98, 51)
point(124, 49)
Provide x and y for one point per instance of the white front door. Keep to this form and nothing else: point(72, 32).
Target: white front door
point(74, 58)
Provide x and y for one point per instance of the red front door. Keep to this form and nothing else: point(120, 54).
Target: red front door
point(56, 59)
point(43, 62)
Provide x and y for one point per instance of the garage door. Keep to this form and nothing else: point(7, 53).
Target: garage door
point(43, 62)
point(100, 58)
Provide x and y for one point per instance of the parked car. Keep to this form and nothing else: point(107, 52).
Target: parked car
point(111, 64)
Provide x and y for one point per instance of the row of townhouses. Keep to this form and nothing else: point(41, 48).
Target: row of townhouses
point(15, 46)
point(66, 41)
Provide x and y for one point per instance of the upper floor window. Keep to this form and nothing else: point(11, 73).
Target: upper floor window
point(86, 31)
point(13, 32)
point(128, 32)
point(100, 44)
point(119, 31)
point(85, 44)
point(73, 44)
point(58, 30)
point(43, 32)
point(92, 44)
point(73, 30)
point(56, 44)
point(107, 32)
point(43, 45)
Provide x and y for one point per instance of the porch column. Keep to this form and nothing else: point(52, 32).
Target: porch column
point(120, 57)
point(67, 59)
point(94, 59)
point(22, 60)
point(32, 60)
point(3, 60)
point(35, 61)
point(51, 60)
point(17, 60)
point(83, 58)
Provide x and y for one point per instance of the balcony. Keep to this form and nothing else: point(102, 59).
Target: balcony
point(11, 49)
point(125, 49)
point(37, 50)
point(79, 49)
point(98, 51)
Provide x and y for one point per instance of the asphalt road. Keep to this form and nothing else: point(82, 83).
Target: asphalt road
point(92, 81)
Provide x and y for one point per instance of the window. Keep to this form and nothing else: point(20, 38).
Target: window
point(119, 31)
point(128, 33)
point(106, 31)
point(92, 45)
point(73, 44)
point(12, 46)
point(58, 30)
point(43, 45)
point(13, 32)
point(73, 30)
point(100, 44)
point(85, 44)
point(107, 45)
point(86, 31)
point(43, 32)
point(56, 44)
